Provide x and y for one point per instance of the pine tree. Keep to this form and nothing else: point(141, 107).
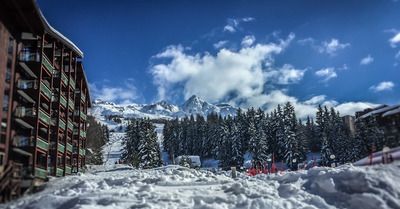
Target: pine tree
point(95, 141)
point(131, 141)
point(313, 143)
point(149, 150)
point(236, 151)
point(290, 143)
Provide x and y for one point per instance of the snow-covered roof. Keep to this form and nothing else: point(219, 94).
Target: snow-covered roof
point(391, 112)
point(48, 28)
point(378, 111)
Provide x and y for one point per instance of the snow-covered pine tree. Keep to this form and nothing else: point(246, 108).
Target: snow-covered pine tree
point(290, 143)
point(280, 134)
point(236, 151)
point(149, 150)
point(225, 144)
point(302, 141)
point(242, 126)
point(130, 143)
point(210, 145)
point(253, 138)
point(201, 135)
point(322, 121)
point(313, 143)
point(261, 150)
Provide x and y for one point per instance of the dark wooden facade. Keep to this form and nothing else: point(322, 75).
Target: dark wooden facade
point(45, 97)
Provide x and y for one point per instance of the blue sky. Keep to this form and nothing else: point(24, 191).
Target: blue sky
point(344, 54)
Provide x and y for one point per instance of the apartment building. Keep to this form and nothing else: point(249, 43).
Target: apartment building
point(45, 98)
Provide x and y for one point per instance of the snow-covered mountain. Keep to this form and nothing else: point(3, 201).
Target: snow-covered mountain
point(194, 105)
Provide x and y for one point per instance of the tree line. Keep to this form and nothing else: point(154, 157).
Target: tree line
point(279, 133)
point(140, 146)
point(97, 136)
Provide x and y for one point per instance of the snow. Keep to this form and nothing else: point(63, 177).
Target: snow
point(378, 111)
point(391, 112)
point(393, 153)
point(120, 186)
point(160, 110)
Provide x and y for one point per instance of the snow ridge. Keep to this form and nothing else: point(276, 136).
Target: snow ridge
point(194, 105)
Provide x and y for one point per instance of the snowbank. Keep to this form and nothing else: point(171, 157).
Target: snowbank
point(120, 186)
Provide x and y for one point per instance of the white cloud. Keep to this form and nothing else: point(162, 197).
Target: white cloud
point(397, 55)
point(326, 73)
point(248, 19)
point(396, 39)
point(306, 108)
point(234, 24)
point(220, 44)
point(367, 60)
point(315, 100)
point(125, 93)
point(383, 86)
point(245, 78)
point(248, 41)
point(349, 108)
point(332, 47)
point(285, 75)
point(306, 41)
point(238, 75)
point(229, 28)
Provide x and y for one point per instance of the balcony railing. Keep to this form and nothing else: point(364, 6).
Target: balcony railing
point(70, 125)
point(63, 101)
point(83, 97)
point(25, 112)
point(68, 170)
point(47, 64)
point(45, 90)
point(40, 173)
point(42, 144)
point(82, 151)
point(61, 148)
point(44, 117)
point(72, 83)
point(82, 170)
point(60, 172)
point(69, 147)
point(23, 141)
point(64, 79)
point(61, 124)
point(27, 84)
point(71, 104)
point(83, 116)
point(27, 56)
point(82, 134)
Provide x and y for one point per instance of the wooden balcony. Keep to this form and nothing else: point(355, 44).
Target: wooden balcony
point(40, 173)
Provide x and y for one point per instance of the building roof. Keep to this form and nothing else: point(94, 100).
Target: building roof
point(380, 111)
point(53, 32)
point(391, 112)
point(86, 83)
point(25, 16)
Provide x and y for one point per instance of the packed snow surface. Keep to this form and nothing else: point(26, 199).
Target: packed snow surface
point(120, 186)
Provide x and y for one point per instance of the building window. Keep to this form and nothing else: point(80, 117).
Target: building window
point(9, 65)
point(2, 139)
point(11, 46)
point(1, 159)
point(5, 107)
point(6, 94)
point(4, 125)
